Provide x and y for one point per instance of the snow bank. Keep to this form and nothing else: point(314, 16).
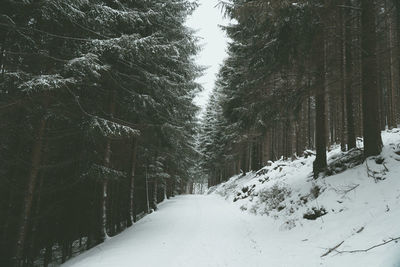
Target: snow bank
point(354, 209)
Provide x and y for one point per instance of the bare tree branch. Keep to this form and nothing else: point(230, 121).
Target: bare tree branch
point(370, 248)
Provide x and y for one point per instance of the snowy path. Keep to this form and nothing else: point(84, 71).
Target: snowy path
point(208, 231)
point(186, 231)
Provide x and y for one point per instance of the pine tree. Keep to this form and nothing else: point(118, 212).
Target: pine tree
point(290, 82)
point(85, 78)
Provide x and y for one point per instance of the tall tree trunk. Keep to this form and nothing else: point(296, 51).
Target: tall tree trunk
point(320, 121)
point(5, 237)
point(3, 41)
point(165, 186)
point(289, 137)
point(29, 195)
point(372, 134)
point(397, 14)
point(266, 148)
point(343, 77)
point(36, 220)
point(351, 135)
point(147, 189)
point(106, 163)
point(132, 213)
point(244, 162)
point(48, 255)
point(250, 155)
point(155, 190)
point(117, 214)
point(310, 132)
point(393, 76)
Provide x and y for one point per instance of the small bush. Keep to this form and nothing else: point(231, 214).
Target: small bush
point(274, 196)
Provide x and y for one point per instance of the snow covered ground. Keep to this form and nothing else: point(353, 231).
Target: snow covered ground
point(360, 208)
point(186, 231)
point(273, 219)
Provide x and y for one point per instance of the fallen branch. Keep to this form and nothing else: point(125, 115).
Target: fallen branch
point(386, 168)
point(351, 189)
point(332, 249)
point(373, 174)
point(360, 230)
point(347, 190)
point(368, 172)
point(368, 249)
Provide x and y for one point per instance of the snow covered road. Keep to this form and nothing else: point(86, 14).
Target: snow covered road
point(186, 231)
point(201, 231)
point(213, 231)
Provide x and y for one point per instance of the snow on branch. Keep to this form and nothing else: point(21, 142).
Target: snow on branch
point(135, 46)
point(13, 78)
point(45, 83)
point(70, 9)
point(111, 129)
point(104, 14)
point(102, 172)
point(86, 66)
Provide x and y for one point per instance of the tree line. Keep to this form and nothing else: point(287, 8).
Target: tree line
point(97, 120)
point(301, 76)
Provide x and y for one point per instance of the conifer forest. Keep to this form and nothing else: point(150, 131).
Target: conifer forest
point(99, 125)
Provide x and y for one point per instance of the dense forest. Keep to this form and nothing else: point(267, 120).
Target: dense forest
point(302, 76)
point(97, 121)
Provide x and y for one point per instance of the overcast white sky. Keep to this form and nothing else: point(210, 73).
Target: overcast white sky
point(214, 41)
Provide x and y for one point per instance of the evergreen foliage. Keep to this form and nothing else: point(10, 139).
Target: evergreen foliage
point(292, 83)
point(96, 109)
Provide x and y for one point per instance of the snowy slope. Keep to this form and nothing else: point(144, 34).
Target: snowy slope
point(361, 205)
point(265, 225)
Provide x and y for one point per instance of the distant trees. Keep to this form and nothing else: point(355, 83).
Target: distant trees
point(303, 75)
point(96, 120)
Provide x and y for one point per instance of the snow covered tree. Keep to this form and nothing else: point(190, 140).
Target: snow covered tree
point(290, 80)
point(83, 85)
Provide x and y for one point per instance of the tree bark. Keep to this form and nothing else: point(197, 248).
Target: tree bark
point(343, 77)
point(132, 214)
point(29, 195)
point(48, 255)
point(310, 132)
point(320, 118)
point(147, 189)
point(397, 14)
point(351, 135)
point(36, 220)
point(155, 190)
point(393, 76)
point(371, 128)
point(107, 155)
point(106, 163)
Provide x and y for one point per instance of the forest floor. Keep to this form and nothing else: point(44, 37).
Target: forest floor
point(276, 217)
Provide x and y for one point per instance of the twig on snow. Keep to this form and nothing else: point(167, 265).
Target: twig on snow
point(332, 249)
point(384, 165)
point(350, 189)
point(346, 190)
